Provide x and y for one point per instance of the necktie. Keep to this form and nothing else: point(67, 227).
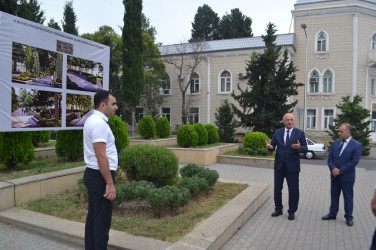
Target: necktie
point(287, 136)
point(341, 146)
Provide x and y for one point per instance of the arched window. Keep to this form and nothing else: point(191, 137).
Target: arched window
point(322, 41)
point(225, 82)
point(314, 82)
point(195, 83)
point(373, 41)
point(328, 81)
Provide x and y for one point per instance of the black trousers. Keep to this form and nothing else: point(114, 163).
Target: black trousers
point(98, 220)
point(292, 179)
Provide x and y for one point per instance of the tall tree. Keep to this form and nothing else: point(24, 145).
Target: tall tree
point(205, 25)
point(133, 70)
point(53, 24)
point(30, 10)
point(70, 19)
point(9, 6)
point(225, 122)
point(235, 25)
point(185, 58)
point(270, 82)
point(146, 27)
point(354, 114)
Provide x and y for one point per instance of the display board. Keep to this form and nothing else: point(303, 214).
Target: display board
point(47, 77)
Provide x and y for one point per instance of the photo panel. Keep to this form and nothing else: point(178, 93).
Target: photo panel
point(35, 66)
point(35, 108)
point(84, 75)
point(78, 109)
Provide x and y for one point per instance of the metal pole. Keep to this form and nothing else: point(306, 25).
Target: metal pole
point(304, 26)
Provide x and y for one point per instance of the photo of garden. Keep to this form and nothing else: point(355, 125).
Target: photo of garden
point(34, 108)
point(79, 108)
point(35, 66)
point(84, 74)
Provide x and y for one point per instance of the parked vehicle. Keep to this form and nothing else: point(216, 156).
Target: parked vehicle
point(315, 149)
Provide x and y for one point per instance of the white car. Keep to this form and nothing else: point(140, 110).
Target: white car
point(315, 149)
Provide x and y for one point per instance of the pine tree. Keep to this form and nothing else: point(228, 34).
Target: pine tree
point(53, 24)
point(225, 122)
point(133, 70)
point(205, 25)
point(357, 116)
point(9, 6)
point(70, 19)
point(235, 25)
point(270, 82)
point(30, 10)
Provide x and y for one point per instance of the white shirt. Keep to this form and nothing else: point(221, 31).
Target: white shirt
point(344, 144)
point(96, 129)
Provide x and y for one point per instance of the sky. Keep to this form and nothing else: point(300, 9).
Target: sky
point(171, 18)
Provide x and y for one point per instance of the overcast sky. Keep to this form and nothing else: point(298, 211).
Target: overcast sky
point(171, 18)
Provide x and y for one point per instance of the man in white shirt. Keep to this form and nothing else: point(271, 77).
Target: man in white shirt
point(101, 159)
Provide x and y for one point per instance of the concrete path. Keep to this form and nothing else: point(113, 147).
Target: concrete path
point(262, 231)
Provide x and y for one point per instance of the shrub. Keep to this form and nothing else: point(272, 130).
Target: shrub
point(132, 190)
point(162, 127)
point(151, 163)
point(225, 122)
point(213, 135)
point(247, 151)
point(255, 140)
point(38, 137)
point(69, 144)
point(83, 189)
point(16, 147)
point(192, 185)
point(192, 170)
point(146, 127)
point(176, 197)
point(187, 136)
point(158, 201)
point(119, 129)
point(202, 133)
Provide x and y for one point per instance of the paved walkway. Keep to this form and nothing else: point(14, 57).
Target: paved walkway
point(262, 231)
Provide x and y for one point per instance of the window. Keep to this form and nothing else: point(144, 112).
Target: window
point(225, 82)
point(314, 82)
point(139, 113)
point(166, 89)
point(166, 112)
point(311, 118)
point(328, 118)
point(193, 115)
point(321, 44)
point(373, 87)
point(373, 41)
point(373, 118)
point(328, 81)
point(195, 83)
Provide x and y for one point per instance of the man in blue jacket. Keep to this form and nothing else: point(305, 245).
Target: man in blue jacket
point(288, 143)
point(343, 157)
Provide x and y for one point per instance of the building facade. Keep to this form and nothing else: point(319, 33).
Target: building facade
point(333, 48)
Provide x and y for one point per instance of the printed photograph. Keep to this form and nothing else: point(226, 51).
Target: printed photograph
point(79, 108)
point(84, 74)
point(64, 47)
point(34, 108)
point(35, 66)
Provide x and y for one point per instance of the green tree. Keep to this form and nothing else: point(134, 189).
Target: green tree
point(36, 64)
point(357, 116)
point(9, 6)
point(205, 25)
point(235, 25)
point(225, 122)
point(29, 58)
point(146, 27)
point(133, 71)
point(270, 82)
point(70, 19)
point(53, 24)
point(16, 147)
point(30, 10)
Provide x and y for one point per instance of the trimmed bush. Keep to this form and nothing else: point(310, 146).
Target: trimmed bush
point(15, 147)
point(38, 137)
point(69, 144)
point(162, 126)
point(255, 140)
point(119, 129)
point(133, 190)
point(213, 135)
point(146, 127)
point(202, 133)
point(151, 163)
point(158, 200)
point(187, 136)
point(193, 170)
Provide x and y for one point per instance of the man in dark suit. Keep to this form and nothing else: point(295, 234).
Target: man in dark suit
point(343, 157)
point(288, 143)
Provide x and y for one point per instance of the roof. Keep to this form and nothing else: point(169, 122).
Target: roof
point(231, 44)
point(318, 1)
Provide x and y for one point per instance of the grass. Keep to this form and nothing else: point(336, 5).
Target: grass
point(236, 153)
point(167, 228)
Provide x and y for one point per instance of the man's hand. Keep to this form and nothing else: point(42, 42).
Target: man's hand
point(335, 172)
point(268, 145)
point(110, 193)
point(296, 145)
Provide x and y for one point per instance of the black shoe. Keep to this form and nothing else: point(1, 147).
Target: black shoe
point(328, 217)
point(349, 222)
point(277, 213)
point(291, 216)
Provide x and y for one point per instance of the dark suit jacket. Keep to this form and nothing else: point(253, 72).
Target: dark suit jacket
point(347, 161)
point(286, 152)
